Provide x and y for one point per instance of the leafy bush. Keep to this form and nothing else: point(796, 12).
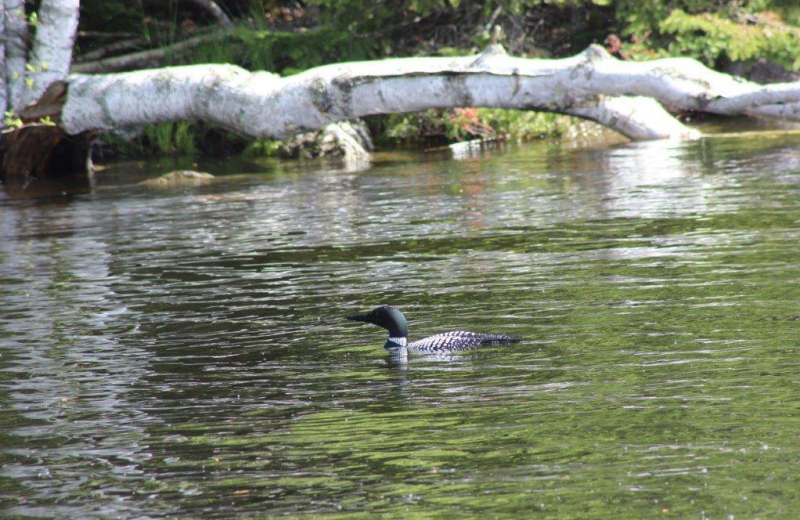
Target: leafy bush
point(711, 37)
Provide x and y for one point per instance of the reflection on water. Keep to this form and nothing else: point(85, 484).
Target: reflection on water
point(185, 354)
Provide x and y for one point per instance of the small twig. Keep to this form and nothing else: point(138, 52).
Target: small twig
point(492, 19)
point(11, 129)
point(109, 35)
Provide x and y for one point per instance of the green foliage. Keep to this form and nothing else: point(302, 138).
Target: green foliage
point(641, 19)
point(521, 125)
point(264, 148)
point(471, 123)
point(288, 53)
point(185, 138)
point(12, 120)
point(213, 52)
point(710, 37)
point(173, 138)
point(354, 30)
point(180, 138)
point(452, 52)
point(160, 136)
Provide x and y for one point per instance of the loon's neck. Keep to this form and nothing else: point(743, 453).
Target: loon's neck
point(393, 343)
point(398, 353)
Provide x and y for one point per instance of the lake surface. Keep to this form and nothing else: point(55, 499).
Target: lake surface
point(184, 353)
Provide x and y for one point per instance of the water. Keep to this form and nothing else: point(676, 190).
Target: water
point(184, 353)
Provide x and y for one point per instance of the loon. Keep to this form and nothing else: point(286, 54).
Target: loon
point(392, 319)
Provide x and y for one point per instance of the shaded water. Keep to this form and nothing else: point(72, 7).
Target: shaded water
point(184, 353)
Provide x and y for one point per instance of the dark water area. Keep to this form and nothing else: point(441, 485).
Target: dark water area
point(183, 353)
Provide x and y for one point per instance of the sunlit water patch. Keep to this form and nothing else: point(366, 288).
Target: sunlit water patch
point(185, 354)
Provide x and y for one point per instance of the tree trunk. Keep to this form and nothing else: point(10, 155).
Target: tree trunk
point(40, 146)
point(52, 47)
point(3, 82)
point(16, 50)
point(39, 149)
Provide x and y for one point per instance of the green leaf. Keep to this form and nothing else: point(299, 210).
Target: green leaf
point(13, 122)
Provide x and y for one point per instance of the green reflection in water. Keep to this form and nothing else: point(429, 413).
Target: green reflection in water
point(155, 365)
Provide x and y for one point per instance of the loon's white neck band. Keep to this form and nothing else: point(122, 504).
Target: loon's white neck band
point(399, 341)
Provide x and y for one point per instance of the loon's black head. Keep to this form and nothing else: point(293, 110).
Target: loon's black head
point(390, 318)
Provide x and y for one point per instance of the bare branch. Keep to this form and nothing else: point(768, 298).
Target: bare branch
point(214, 10)
point(148, 58)
point(113, 48)
point(107, 35)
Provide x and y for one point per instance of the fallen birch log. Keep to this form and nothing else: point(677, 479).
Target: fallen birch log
point(592, 84)
point(264, 105)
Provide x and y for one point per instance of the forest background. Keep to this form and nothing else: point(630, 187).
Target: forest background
point(756, 39)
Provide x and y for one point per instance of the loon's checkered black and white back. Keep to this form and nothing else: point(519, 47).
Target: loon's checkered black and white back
point(458, 340)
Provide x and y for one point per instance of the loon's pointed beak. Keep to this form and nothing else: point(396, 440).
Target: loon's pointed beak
point(365, 317)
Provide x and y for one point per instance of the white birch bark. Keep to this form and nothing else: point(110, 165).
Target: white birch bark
point(3, 83)
point(16, 50)
point(52, 48)
point(639, 118)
